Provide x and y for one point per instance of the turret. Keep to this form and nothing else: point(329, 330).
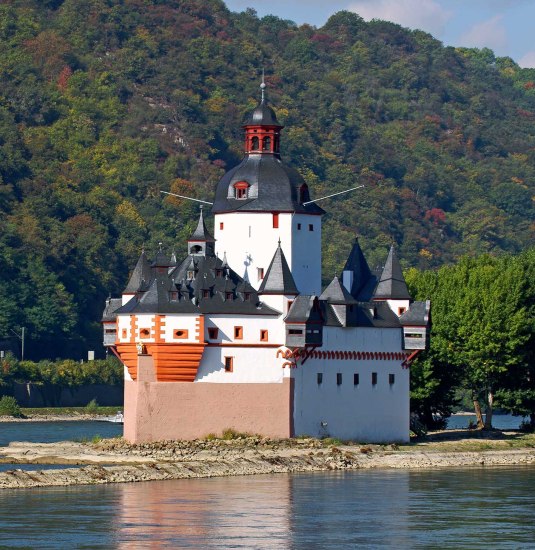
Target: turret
point(392, 286)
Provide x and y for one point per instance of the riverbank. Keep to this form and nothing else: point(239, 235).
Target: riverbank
point(115, 461)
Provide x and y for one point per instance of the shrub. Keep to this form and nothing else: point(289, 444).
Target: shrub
point(92, 407)
point(9, 407)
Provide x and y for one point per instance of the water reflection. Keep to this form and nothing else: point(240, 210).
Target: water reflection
point(450, 508)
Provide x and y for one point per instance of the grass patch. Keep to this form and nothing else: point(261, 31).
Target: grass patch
point(69, 411)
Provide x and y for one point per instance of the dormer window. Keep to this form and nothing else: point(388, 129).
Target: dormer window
point(219, 273)
point(228, 295)
point(191, 274)
point(241, 190)
point(303, 194)
point(173, 295)
point(247, 296)
point(205, 293)
point(195, 249)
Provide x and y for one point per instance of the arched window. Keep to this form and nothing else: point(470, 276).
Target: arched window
point(255, 144)
point(240, 190)
point(195, 249)
point(266, 144)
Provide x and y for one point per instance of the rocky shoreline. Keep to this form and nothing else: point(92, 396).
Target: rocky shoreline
point(115, 461)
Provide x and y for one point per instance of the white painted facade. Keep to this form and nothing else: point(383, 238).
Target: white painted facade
point(249, 241)
point(339, 407)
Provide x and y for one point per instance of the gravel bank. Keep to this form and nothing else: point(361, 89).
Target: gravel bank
point(115, 461)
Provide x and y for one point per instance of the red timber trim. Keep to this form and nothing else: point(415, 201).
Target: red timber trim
point(237, 345)
point(410, 358)
point(133, 329)
point(127, 353)
point(159, 329)
point(199, 329)
point(343, 355)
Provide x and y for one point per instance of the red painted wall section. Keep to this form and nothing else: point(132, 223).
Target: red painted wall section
point(155, 411)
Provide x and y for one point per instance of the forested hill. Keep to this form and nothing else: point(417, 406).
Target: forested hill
point(103, 103)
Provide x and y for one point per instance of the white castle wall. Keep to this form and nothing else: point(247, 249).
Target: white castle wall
point(363, 412)
point(250, 241)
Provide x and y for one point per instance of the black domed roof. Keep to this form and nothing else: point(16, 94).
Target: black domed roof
point(262, 115)
point(273, 187)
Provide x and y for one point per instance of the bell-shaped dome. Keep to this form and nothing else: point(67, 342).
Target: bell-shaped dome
point(262, 115)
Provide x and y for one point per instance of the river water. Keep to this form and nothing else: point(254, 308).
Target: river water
point(453, 508)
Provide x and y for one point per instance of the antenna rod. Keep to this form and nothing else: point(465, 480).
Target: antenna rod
point(333, 195)
point(188, 198)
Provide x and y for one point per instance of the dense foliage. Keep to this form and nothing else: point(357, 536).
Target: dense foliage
point(482, 339)
point(103, 103)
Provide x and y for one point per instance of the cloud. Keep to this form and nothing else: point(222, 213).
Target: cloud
point(527, 61)
point(487, 34)
point(427, 15)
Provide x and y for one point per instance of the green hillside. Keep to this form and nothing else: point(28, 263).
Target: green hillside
point(103, 103)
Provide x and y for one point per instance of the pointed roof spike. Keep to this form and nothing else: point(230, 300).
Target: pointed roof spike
point(357, 265)
point(392, 284)
point(263, 86)
point(201, 232)
point(140, 273)
point(225, 263)
point(279, 278)
point(335, 293)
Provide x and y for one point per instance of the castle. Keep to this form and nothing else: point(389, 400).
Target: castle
point(240, 335)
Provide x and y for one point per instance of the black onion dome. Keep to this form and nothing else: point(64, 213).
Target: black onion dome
point(273, 187)
point(262, 115)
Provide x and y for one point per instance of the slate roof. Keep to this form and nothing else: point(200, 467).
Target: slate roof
point(417, 314)
point(112, 305)
point(336, 293)
point(201, 232)
point(262, 115)
point(214, 288)
point(368, 314)
point(357, 264)
point(392, 284)
point(302, 310)
point(278, 278)
point(273, 187)
point(140, 274)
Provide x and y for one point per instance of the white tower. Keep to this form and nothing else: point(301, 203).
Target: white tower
point(262, 201)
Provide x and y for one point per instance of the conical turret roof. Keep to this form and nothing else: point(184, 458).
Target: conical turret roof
point(201, 232)
point(392, 284)
point(279, 278)
point(357, 264)
point(336, 293)
point(140, 274)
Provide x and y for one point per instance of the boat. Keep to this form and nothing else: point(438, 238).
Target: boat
point(115, 419)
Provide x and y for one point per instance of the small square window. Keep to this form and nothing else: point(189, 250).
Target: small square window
point(319, 378)
point(391, 379)
point(290, 302)
point(275, 221)
point(205, 293)
point(213, 332)
point(338, 378)
point(311, 227)
point(238, 333)
point(221, 225)
point(401, 310)
point(263, 335)
point(356, 379)
point(299, 227)
point(229, 364)
point(228, 295)
point(260, 271)
point(124, 333)
point(144, 333)
point(374, 379)
point(247, 296)
point(180, 334)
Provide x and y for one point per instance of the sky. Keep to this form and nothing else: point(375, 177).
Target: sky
point(505, 26)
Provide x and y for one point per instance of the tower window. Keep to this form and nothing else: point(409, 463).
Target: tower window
point(401, 310)
point(229, 364)
point(266, 144)
point(213, 333)
point(255, 144)
point(319, 378)
point(275, 220)
point(338, 378)
point(356, 380)
point(374, 379)
point(303, 193)
point(311, 227)
point(391, 379)
point(195, 249)
point(221, 225)
point(181, 333)
point(238, 333)
point(263, 335)
point(260, 271)
point(144, 333)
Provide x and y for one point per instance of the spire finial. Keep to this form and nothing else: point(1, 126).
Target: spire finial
point(279, 242)
point(160, 244)
point(263, 86)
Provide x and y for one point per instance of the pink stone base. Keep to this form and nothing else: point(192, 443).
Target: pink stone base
point(155, 411)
